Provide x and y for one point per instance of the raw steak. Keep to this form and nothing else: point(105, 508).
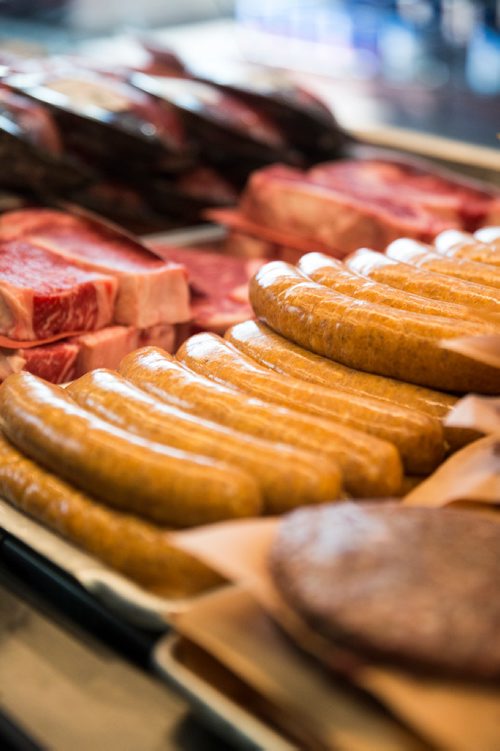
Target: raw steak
point(340, 206)
point(42, 295)
point(219, 284)
point(106, 348)
point(150, 291)
point(340, 218)
point(67, 359)
point(449, 198)
point(53, 362)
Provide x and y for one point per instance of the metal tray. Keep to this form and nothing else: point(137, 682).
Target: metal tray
point(220, 699)
point(121, 595)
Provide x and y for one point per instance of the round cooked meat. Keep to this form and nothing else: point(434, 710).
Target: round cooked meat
point(416, 586)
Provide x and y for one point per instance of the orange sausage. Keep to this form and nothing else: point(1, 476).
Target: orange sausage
point(369, 466)
point(134, 547)
point(287, 476)
point(258, 341)
point(418, 437)
point(333, 274)
point(130, 473)
point(420, 255)
point(366, 336)
point(415, 280)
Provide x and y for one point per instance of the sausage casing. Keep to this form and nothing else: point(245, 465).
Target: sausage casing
point(163, 484)
point(456, 244)
point(257, 340)
point(134, 547)
point(369, 466)
point(417, 254)
point(366, 336)
point(334, 274)
point(287, 476)
point(418, 437)
point(419, 281)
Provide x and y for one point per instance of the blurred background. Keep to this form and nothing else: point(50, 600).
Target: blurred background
point(430, 65)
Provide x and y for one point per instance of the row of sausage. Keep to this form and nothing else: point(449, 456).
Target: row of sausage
point(327, 394)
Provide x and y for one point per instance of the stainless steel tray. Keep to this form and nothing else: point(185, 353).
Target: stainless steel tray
point(218, 697)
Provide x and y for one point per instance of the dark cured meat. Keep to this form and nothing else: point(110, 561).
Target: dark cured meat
point(224, 125)
point(309, 125)
point(105, 120)
point(31, 148)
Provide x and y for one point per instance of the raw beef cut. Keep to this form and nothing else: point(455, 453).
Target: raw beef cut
point(338, 218)
point(64, 360)
point(42, 295)
point(106, 348)
point(449, 198)
point(53, 362)
point(340, 206)
point(150, 291)
point(219, 285)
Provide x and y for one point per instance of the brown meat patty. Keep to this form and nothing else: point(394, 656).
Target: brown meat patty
point(416, 586)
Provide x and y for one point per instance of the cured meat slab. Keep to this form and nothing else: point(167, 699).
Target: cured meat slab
point(150, 291)
point(41, 294)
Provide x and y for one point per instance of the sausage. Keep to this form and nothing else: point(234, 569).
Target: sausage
point(418, 281)
point(334, 274)
point(366, 336)
point(287, 476)
point(490, 236)
point(420, 255)
point(130, 473)
point(369, 466)
point(456, 244)
point(134, 547)
point(256, 340)
point(419, 438)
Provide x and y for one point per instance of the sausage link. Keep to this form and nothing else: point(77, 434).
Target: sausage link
point(490, 236)
point(418, 281)
point(418, 254)
point(369, 337)
point(163, 484)
point(334, 274)
point(370, 467)
point(134, 547)
point(456, 244)
point(288, 477)
point(418, 438)
point(257, 340)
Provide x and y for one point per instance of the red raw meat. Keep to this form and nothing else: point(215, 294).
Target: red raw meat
point(150, 291)
point(106, 348)
point(42, 295)
point(448, 198)
point(64, 360)
point(218, 283)
point(53, 362)
point(340, 206)
point(341, 219)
